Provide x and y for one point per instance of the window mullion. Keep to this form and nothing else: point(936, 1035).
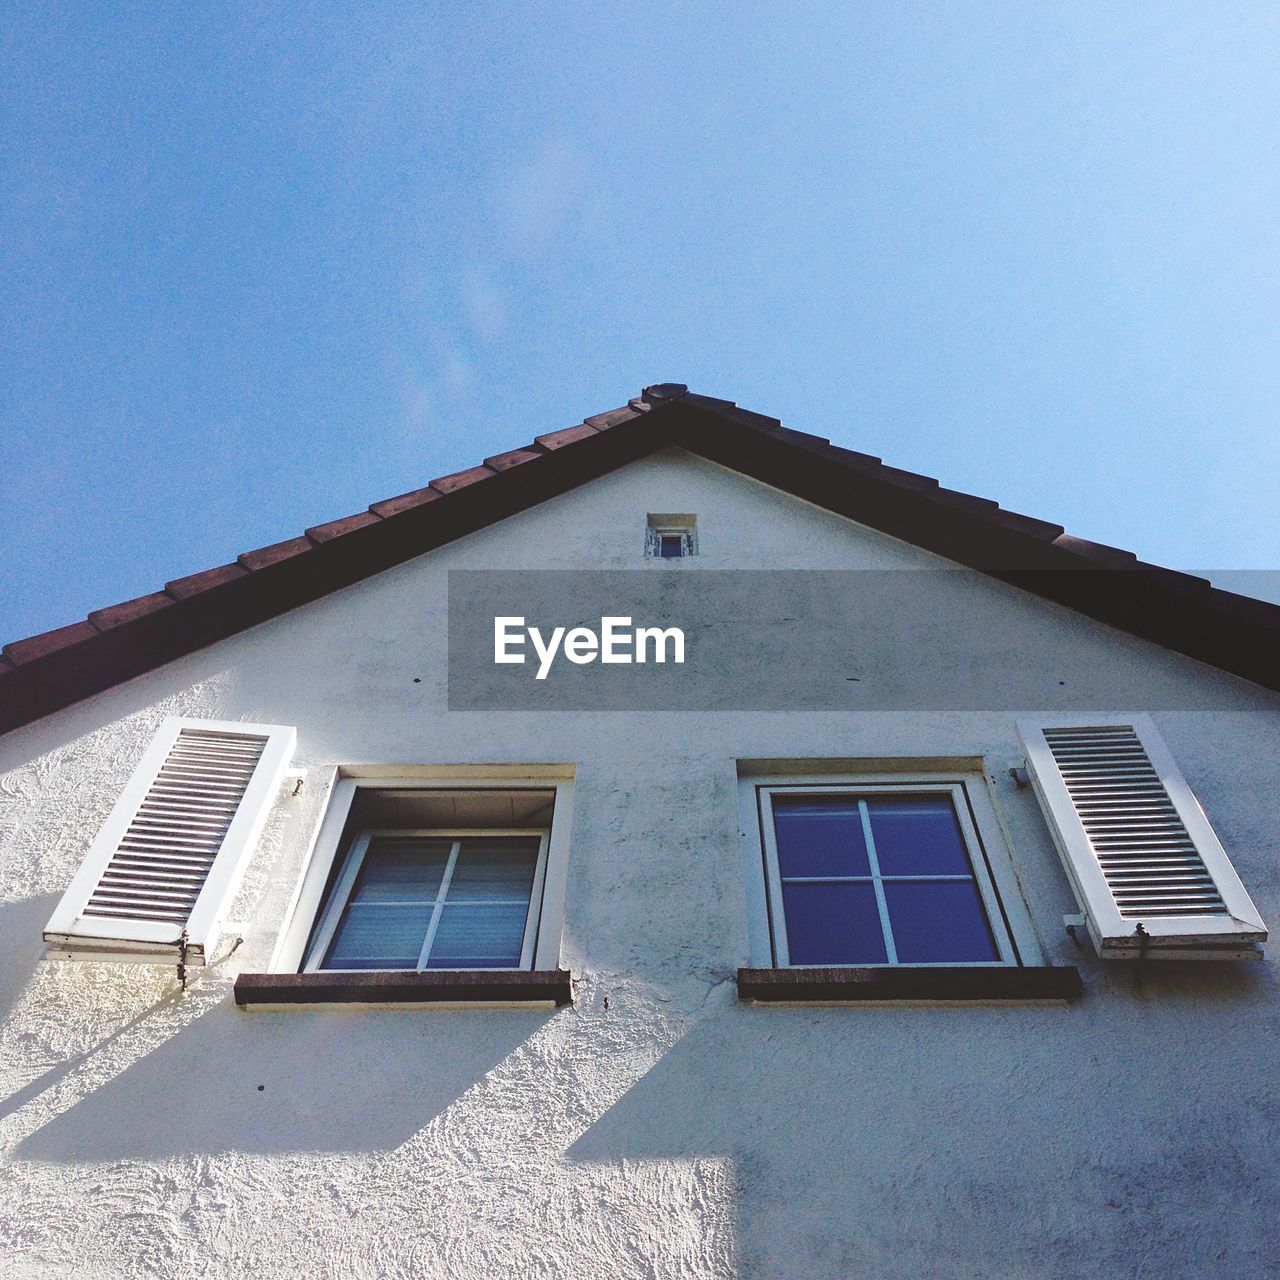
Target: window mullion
point(891, 951)
point(425, 954)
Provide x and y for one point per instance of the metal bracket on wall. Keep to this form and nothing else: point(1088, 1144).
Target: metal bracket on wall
point(1074, 924)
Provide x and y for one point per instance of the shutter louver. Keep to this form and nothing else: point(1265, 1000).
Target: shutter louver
point(1150, 863)
point(170, 855)
point(1148, 869)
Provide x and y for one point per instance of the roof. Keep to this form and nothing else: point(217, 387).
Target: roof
point(1179, 611)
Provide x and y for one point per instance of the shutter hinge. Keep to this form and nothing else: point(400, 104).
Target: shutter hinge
point(1073, 923)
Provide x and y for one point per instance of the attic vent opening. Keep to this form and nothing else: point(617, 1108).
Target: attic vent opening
point(671, 536)
point(1148, 858)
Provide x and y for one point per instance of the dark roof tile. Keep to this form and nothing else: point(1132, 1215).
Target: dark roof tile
point(405, 502)
point(41, 646)
point(461, 479)
point(513, 458)
point(263, 557)
point(966, 501)
point(1174, 579)
point(194, 584)
point(712, 404)
point(130, 610)
point(801, 438)
point(904, 479)
point(1040, 530)
point(1098, 551)
point(570, 435)
point(756, 421)
point(850, 457)
point(614, 418)
point(321, 533)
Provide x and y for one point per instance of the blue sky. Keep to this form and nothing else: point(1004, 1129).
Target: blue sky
point(263, 265)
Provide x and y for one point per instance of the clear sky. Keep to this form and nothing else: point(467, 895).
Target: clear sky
point(263, 265)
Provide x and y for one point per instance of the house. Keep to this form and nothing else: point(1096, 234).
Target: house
point(913, 925)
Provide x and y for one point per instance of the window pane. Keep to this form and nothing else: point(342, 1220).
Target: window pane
point(818, 836)
point(386, 917)
point(470, 936)
point(494, 868)
point(917, 836)
point(833, 924)
point(483, 921)
point(938, 922)
point(671, 545)
point(378, 936)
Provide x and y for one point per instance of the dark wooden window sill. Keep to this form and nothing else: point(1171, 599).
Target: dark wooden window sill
point(940, 985)
point(541, 987)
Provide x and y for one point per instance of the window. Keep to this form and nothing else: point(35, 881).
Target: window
point(428, 885)
point(432, 899)
point(670, 536)
point(878, 876)
point(884, 880)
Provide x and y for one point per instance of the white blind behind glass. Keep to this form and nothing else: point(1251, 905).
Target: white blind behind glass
point(437, 903)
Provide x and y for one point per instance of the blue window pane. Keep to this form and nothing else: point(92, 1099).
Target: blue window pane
point(483, 921)
point(490, 869)
point(917, 836)
point(819, 837)
point(387, 914)
point(939, 922)
point(378, 935)
point(671, 545)
point(479, 937)
point(396, 868)
point(833, 924)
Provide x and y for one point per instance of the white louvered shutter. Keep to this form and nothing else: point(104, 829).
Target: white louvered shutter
point(170, 855)
point(1149, 872)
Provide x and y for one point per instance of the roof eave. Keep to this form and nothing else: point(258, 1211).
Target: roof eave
point(1178, 611)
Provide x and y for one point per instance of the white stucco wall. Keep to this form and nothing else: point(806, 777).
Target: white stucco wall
point(676, 1133)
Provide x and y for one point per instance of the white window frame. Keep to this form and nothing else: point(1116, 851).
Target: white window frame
point(292, 952)
point(970, 791)
point(341, 893)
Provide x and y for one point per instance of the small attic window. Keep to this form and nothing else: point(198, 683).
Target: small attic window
point(671, 536)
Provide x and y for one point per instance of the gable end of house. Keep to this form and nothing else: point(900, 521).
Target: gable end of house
point(43, 673)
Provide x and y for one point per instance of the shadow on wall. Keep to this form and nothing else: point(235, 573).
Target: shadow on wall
point(908, 1142)
point(21, 945)
point(270, 1083)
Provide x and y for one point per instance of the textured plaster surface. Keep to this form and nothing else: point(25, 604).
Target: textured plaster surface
point(669, 1132)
